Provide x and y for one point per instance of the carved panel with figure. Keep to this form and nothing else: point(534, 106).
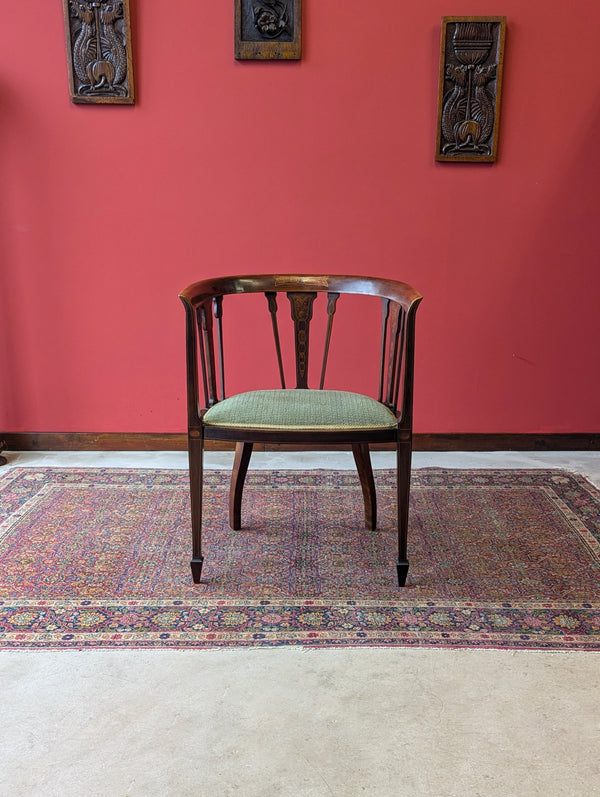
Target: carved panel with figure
point(268, 29)
point(471, 60)
point(98, 34)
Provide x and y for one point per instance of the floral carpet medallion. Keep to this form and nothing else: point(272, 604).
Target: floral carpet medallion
point(95, 558)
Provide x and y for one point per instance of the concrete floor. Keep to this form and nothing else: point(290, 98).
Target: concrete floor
point(289, 721)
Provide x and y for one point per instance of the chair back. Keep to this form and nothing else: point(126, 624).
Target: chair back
point(203, 302)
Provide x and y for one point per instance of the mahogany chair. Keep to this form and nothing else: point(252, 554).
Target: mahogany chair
point(300, 414)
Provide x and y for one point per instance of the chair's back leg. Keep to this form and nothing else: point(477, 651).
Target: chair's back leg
point(365, 472)
point(243, 452)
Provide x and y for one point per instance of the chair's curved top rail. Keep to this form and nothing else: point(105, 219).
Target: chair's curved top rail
point(400, 292)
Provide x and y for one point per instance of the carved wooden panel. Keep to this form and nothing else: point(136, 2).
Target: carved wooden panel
point(268, 29)
point(471, 60)
point(98, 35)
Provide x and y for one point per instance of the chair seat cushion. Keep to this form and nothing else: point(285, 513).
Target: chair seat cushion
point(300, 410)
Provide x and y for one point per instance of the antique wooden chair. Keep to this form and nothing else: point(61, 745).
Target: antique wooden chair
point(300, 414)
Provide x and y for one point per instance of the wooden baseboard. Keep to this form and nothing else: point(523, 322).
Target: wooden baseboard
point(117, 441)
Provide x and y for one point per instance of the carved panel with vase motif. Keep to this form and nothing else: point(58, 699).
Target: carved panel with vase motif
point(471, 61)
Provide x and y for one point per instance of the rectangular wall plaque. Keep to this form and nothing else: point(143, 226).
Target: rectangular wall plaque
point(98, 35)
point(268, 29)
point(471, 60)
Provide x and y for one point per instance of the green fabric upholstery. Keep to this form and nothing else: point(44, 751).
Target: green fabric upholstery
point(300, 410)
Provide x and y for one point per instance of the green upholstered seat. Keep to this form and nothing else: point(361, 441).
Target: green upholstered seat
point(300, 409)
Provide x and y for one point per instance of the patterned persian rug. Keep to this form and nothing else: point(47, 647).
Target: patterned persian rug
point(100, 558)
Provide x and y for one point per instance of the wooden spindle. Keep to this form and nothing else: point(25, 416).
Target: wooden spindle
point(209, 352)
point(331, 304)
point(385, 313)
point(202, 353)
point(401, 359)
point(392, 357)
point(272, 302)
point(218, 311)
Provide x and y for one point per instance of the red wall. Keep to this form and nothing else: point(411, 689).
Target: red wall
point(320, 165)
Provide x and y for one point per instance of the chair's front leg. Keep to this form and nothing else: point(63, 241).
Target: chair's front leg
point(365, 471)
point(243, 452)
point(195, 451)
point(404, 456)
